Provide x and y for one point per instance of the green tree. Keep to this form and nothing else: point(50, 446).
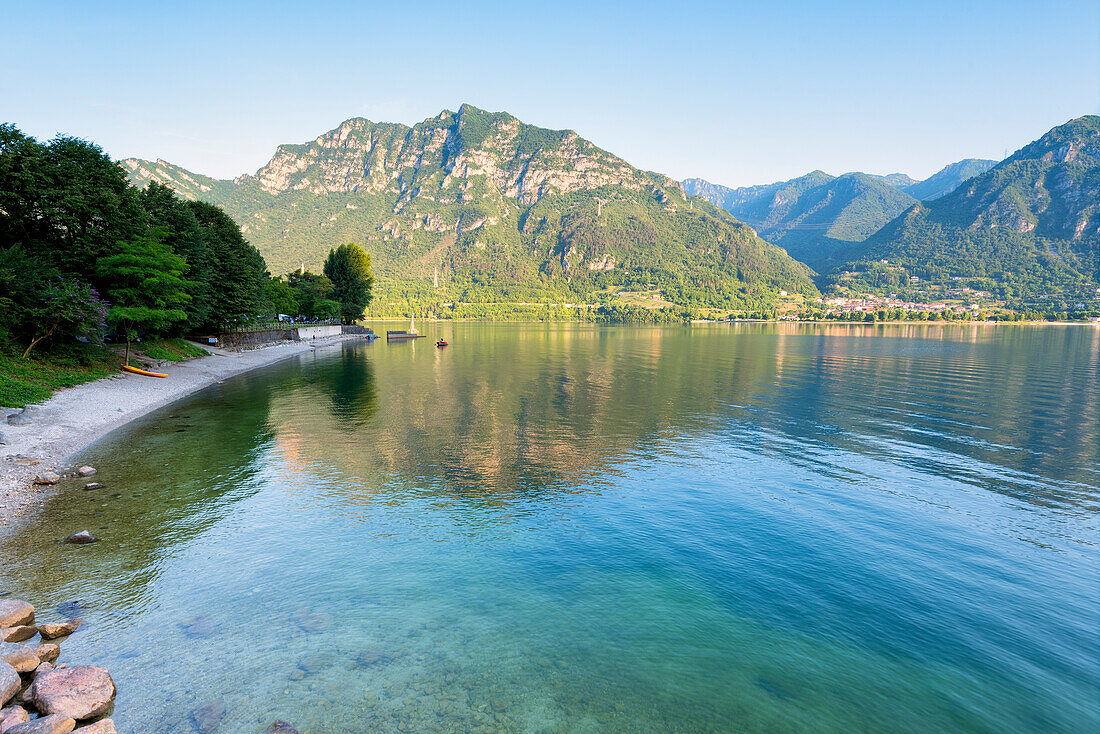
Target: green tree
point(145, 285)
point(280, 297)
point(312, 291)
point(348, 267)
point(236, 269)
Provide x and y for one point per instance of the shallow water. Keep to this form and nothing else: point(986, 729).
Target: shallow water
point(569, 528)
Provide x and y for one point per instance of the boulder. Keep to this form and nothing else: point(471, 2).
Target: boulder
point(86, 471)
point(207, 717)
point(10, 683)
point(20, 633)
point(48, 653)
point(15, 612)
point(71, 609)
point(103, 726)
point(19, 419)
point(281, 727)
point(44, 667)
point(58, 629)
point(94, 485)
point(81, 538)
point(20, 657)
point(81, 692)
point(53, 724)
point(11, 716)
point(47, 478)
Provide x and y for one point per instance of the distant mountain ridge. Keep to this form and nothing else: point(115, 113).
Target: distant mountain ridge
point(1029, 226)
point(479, 206)
point(815, 215)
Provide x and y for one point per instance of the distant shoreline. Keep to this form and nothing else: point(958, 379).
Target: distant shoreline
point(74, 418)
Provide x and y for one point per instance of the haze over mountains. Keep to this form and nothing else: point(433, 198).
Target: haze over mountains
point(478, 206)
point(813, 216)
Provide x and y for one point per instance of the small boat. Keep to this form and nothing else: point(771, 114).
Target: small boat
point(441, 343)
point(371, 337)
point(138, 371)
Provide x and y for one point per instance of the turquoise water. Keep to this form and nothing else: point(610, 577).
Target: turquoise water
point(570, 528)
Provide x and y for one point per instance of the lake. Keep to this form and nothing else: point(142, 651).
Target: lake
point(575, 528)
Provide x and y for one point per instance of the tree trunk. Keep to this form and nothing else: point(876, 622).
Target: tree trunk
point(49, 333)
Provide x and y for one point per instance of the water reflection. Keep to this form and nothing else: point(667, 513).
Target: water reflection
point(573, 527)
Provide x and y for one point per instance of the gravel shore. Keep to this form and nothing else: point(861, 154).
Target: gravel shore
point(74, 418)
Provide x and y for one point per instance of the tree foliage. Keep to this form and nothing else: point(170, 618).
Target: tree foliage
point(348, 267)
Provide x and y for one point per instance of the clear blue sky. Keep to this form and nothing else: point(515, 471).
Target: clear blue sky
point(738, 93)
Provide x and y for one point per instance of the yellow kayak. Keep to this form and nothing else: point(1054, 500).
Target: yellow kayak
point(147, 373)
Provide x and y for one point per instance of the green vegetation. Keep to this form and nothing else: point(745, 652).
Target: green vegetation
point(1027, 231)
point(172, 349)
point(72, 229)
point(24, 381)
point(472, 207)
point(348, 267)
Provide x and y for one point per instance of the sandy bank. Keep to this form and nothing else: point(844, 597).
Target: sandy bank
point(74, 418)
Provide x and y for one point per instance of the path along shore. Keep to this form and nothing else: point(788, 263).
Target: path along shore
point(76, 417)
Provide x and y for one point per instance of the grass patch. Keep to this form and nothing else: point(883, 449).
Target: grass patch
point(173, 350)
point(32, 380)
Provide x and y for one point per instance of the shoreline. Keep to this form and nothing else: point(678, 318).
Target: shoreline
point(74, 418)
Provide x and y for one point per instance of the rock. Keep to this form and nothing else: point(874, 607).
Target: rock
point(81, 538)
point(371, 656)
point(11, 716)
point(48, 652)
point(2, 439)
point(19, 419)
point(86, 471)
point(15, 612)
point(59, 629)
point(47, 478)
point(207, 717)
point(94, 485)
point(199, 627)
point(71, 609)
point(312, 621)
point(10, 683)
point(80, 692)
point(18, 634)
point(281, 727)
point(20, 657)
point(44, 667)
point(53, 724)
point(103, 726)
point(315, 662)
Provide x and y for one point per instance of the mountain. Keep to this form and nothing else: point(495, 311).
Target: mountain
point(947, 179)
point(1028, 229)
point(813, 215)
point(474, 206)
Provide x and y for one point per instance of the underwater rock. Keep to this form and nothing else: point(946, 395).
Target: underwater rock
point(311, 621)
point(86, 471)
point(47, 478)
point(198, 627)
point(207, 717)
point(281, 727)
point(81, 692)
point(15, 612)
point(94, 485)
point(81, 538)
point(58, 629)
point(71, 609)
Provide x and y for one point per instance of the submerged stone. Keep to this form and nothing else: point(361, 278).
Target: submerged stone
point(207, 717)
point(281, 727)
point(86, 471)
point(81, 538)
